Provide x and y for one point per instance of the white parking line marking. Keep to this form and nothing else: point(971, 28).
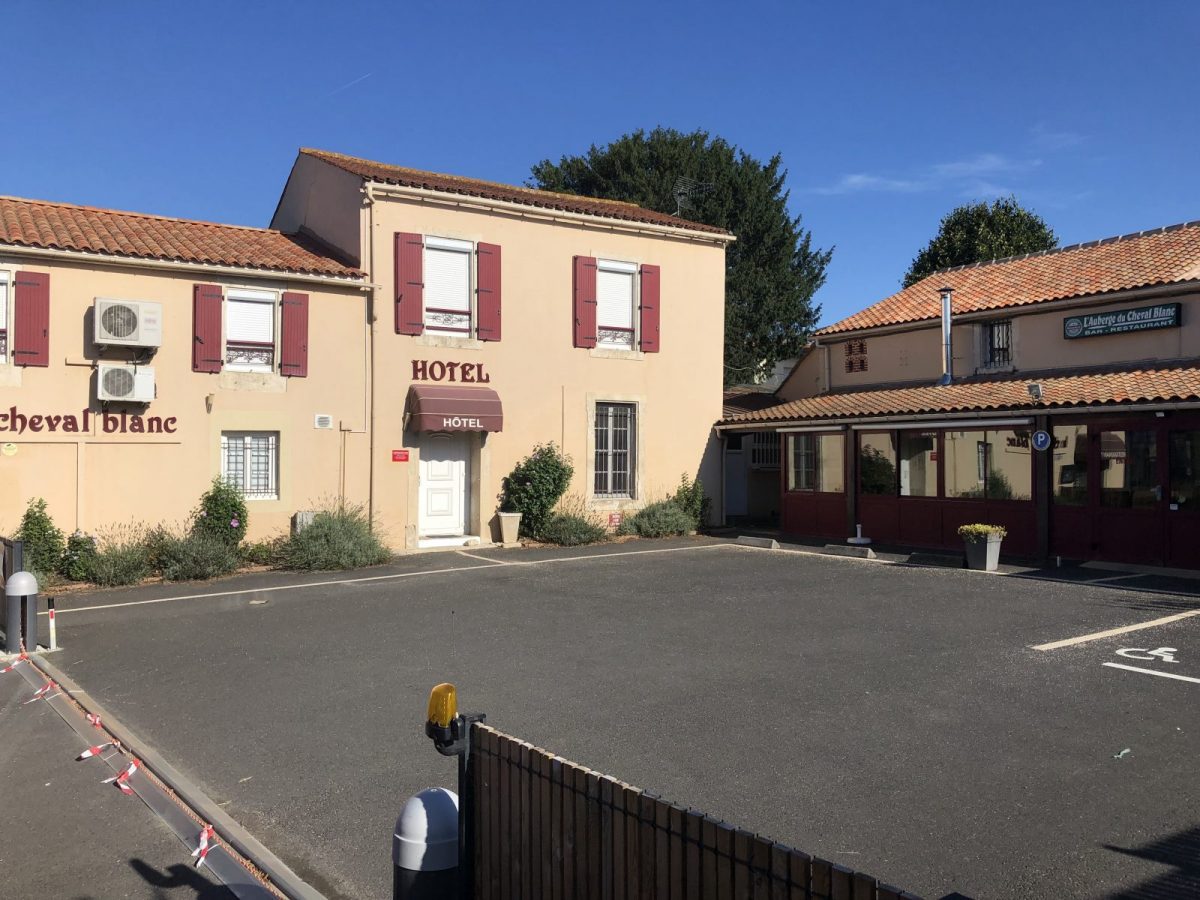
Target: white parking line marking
point(501, 562)
point(492, 564)
point(1113, 665)
point(1112, 632)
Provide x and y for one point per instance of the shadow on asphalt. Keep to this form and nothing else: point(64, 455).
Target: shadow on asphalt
point(179, 876)
point(1180, 851)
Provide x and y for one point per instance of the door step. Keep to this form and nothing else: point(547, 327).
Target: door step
point(461, 540)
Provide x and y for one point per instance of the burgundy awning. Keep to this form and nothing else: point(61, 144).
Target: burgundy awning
point(439, 407)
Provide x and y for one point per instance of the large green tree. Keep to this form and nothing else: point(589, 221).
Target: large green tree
point(771, 270)
point(978, 232)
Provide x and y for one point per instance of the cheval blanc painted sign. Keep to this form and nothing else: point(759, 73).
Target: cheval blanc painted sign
point(16, 422)
point(1121, 321)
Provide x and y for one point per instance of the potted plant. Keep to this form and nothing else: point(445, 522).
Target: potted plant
point(510, 526)
point(982, 543)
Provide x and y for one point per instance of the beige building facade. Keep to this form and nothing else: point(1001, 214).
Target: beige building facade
point(1065, 406)
point(397, 339)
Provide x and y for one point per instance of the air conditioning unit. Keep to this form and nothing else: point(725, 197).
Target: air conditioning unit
point(127, 323)
point(125, 384)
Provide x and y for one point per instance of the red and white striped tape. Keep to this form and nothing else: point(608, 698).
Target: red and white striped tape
point(16, 662)
point(207, 833)
point(93, 720)
point(95, 750)
point(121, 781)
point(42, 691)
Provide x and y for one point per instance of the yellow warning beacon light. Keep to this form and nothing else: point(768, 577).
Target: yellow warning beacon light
point(443, 705)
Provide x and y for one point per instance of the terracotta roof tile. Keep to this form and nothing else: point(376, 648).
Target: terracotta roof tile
point(1162, 385)
point(455, 184)
point(1164, 256)
point(64, 226)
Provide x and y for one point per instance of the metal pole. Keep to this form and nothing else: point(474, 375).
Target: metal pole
point(466, 831)
point(12, 625)
point(53, 630)
point(31, 621)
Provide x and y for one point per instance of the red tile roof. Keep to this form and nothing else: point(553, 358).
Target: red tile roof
point(1165, 385)
point(746, 399)
point(64, 226)
point(454, 184)
point(1164, 256)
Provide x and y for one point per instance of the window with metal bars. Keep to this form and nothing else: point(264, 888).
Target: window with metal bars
point(997, 343)
point(250, 462)
point(616, 436)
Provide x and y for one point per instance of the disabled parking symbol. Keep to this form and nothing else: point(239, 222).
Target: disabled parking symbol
point(1164, 654)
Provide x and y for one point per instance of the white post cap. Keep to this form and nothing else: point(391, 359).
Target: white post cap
point(21, 584)
point(426, 836)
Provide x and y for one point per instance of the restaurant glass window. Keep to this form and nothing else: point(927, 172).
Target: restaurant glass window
point(1129, 469)
point(816, 462)
point(1185, 470)
point(966, 463)
point(877, 462)
point(918, 464)
point(1070, 465)
point(1009, 465)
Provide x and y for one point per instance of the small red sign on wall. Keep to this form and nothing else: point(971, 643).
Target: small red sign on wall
point(614, 519)
point(399, 456)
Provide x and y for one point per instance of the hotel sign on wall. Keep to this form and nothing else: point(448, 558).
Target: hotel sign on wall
point(1121, 321)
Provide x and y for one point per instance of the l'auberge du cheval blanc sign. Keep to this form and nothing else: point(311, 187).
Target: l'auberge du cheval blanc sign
point(1120, 321)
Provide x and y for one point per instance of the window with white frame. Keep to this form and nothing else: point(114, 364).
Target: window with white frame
point(4, 312)
point(616, 440)
point(447, 277)
point(250, 463)
point(250, 329)
point(616, 298)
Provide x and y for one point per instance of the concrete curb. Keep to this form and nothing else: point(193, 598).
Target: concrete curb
point(746, 540)
point(280, 874)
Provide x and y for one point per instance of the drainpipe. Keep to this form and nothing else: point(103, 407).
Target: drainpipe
point(371, 305)
point(947, 343)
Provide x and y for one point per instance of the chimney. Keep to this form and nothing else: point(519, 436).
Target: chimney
point(947, 344)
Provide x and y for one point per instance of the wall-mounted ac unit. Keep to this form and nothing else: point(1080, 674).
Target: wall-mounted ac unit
point(125, 384)
point(127, 323)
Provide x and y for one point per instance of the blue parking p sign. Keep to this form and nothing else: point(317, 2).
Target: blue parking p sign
point(1041, 440)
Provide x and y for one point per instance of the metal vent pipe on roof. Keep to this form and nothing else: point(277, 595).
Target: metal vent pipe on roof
point(947, 343)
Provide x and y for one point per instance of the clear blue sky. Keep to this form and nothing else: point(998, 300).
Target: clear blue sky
point(887, 114)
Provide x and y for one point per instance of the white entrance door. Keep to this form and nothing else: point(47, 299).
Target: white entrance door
point(443, 490)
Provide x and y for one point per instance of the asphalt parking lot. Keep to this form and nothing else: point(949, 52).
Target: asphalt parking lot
point(897, 720)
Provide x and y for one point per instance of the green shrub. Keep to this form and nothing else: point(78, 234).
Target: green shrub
point(689, 497)
point(262, 553)
point(535, 485)
point(195, 556)
point(44, 544)
point(338, 538)
point(666, 517)
point(221, 513)
point(79, 558)
point(570, 531)
point(979, 532)
point(122, 556)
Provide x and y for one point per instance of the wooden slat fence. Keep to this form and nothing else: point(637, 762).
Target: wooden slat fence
point(545, 827)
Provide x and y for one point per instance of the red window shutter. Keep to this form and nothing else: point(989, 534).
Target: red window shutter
point(31, 310)
point(410, 283)
point(648, 326)
point(488, 292)
point(206, 328)
point(293, 325)
point(585, 301)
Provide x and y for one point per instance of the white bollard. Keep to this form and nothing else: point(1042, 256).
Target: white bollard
point(858, 540)
point(425, 847)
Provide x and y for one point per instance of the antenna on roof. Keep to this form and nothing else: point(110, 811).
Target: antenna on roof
point(686, 189)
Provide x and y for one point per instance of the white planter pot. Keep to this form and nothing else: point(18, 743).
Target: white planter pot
point(510, 527)
point(984, 555)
